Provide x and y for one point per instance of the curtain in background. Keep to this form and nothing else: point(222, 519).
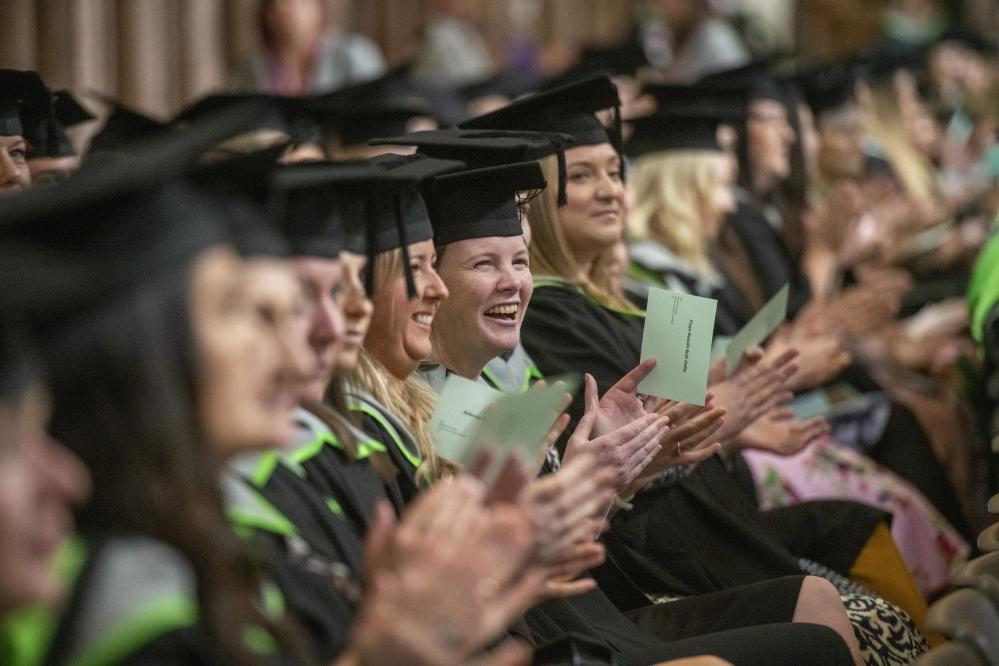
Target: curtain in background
point(157, 55)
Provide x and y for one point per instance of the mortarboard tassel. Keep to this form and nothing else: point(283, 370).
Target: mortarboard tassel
point(369, 233)
point(617, 138)
point(404, 244)
point(560, 156)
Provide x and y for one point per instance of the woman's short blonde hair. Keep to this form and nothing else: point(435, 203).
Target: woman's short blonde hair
point(673, 192)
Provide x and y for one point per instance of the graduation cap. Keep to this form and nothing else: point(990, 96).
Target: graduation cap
point(482, 148)
point(283, 113)
point(26, 110)
point(723, 103)
point(668, 131)
point(381, 107)
point(116, 222)
point(243, 185)
point(887, 58)
point(509, 84)
point(66, 112)
point(828, 86)
point(69, 111)
point(125, 126)
point(480, 203)
point(568, 109)
point(412, 221)
point(367, 207)
point(970, 40)
point(620, 60)
point(625, 58)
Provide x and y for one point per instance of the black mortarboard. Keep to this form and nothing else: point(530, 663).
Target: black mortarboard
point(885, 59)
point(26, 110)
point(243, 184)
point(569, 109)
point(622, 59)
point(366, 207)
point(407, 207)
point(828, 86)
point(970, 40)
point(723, 103)
point(666, 131)
point(480, 203)
point(51, 286)
point(510, 84)
point(363, 111)
point(67, 112)
point(116, 222)
point(482, 148)
point(123, 127)
point(305, 205)
point(282, 113)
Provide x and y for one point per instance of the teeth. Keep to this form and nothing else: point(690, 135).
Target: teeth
point(425, 319)
point(503, 309)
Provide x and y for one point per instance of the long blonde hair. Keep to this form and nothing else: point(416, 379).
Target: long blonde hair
point(410, 399)
point(672, 194)
point(550, 253)
point(883, 120)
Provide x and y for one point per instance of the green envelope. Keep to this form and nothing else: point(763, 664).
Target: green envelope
point(679, 329)
point(458, 413)
point(757, 329)
point(470, 417)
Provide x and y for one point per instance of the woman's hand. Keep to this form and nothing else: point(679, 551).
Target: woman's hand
point(821, 357)
point(689, 441)
point(779, 432)
point(627, 449)
point(568, 507)
point(621, 404)
point(756, 387)
point(447, 580)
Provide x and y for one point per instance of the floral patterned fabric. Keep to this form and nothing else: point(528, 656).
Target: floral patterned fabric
point(826, 470)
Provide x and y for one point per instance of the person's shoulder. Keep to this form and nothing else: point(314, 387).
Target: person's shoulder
point(136, 590)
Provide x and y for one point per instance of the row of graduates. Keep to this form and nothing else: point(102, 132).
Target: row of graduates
point(130, 286)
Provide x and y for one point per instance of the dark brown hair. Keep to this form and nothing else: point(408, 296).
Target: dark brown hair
point(125, 400)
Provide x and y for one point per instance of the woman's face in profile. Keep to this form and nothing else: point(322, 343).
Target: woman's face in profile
point(40, 482)
point(248, 376)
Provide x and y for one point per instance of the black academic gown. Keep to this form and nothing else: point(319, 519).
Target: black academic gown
point(704, 533)
point(621, 620)
point(771, 259)
point(129, 578)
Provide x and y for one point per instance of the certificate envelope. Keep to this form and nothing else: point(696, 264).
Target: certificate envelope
point(678, 332)
point(518, 423)
point(458, 413)
point(470, 417)
point(757, 329)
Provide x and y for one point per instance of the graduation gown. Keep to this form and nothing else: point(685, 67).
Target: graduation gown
point(134, 602)
point(704, 533)
point(771, 260)
point(617, 615)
